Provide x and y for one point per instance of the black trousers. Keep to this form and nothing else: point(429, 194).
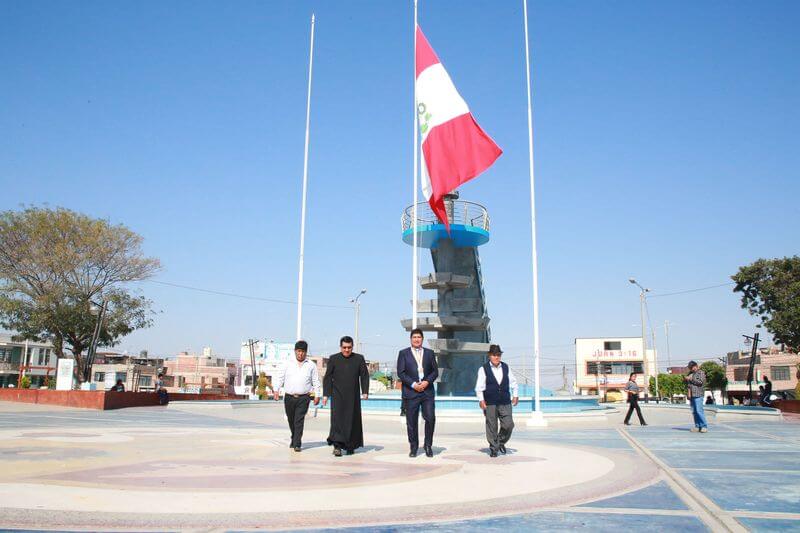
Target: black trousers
point(634, 404)
point(296, 409)
point(413, 406)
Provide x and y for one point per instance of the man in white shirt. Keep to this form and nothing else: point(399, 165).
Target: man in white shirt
point(297, 380)
point(497, 390)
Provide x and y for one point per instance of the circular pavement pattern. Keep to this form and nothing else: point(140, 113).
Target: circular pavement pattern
point(250, 478)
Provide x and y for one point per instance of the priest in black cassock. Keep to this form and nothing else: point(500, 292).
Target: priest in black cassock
point(347, 372)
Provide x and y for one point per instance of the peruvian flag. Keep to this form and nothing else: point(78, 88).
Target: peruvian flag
point(454, 148)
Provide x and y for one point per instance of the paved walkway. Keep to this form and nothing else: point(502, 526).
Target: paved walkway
point(210, 468)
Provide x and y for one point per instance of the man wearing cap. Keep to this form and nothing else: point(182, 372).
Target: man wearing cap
point(297, 379)
point(497, 391)
point(696, 380)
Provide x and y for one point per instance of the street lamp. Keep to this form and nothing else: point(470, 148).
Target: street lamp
point(98, 310)
point(642, 293)
point(357, 306)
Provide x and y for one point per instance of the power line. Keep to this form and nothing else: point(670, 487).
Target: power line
point(243, 296)
point(692, 290)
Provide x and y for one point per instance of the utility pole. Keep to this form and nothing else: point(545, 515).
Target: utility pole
point(644, 338)
point(357, 306)
point(750, 370)
point(666, 336)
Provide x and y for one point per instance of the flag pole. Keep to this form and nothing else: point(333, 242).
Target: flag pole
point(305, 188)
point(534, 260)
point(415, 262)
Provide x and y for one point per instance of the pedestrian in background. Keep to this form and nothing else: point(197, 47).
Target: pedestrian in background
point(632, 390)
point(696, 381)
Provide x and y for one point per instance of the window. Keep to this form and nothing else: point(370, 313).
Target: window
point(5, 355)
point(612, 346)
point(779, 373)
point(145, 381)
point(41, 358)
point(740, 373)
point(123, 376)
point(621, 367)
point(99, 376)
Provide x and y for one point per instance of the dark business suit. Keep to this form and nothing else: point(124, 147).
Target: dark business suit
point(408, 374)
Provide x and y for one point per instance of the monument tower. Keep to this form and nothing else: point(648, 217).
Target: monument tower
point(458, 313)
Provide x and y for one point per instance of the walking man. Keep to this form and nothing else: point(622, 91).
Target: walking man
point(417, 370)
point(696, 380)
point(632, 390)
point(497, 391)
point(297, 379)
point(347, 371)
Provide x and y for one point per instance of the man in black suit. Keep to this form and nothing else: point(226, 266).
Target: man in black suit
point(417, 370)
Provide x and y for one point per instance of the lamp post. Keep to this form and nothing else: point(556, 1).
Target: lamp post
point(99, 310)
point(357, 306)
point(642, 293)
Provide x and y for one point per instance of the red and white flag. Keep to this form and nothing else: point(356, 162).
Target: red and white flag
point(454, 148)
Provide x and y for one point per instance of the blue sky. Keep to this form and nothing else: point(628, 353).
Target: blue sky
point(666, 138)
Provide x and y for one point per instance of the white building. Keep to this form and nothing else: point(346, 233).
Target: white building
point(38, 362)
point(268, 357)
point(603, 364)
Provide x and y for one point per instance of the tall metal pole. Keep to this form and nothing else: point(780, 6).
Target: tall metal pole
point(644, 343)
point(357, 309)
point(305, 187)
point(655, 360)
point(414, 261)
point(536, 341)
point(666, 336)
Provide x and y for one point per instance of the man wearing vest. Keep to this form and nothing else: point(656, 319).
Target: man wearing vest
point(497, 391)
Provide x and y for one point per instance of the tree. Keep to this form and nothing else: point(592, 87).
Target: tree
point(54, 263)
point(715, 375)
point(770, 290)
point(669, 385)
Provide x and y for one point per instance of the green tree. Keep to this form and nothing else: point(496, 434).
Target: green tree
point(770, 290)
point(715, 375)
point(54, 263)
point(668, 385)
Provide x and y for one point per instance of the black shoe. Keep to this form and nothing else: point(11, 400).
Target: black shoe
point(350, 452)
point(502, 449)
point(297, 448)
point(412, 453)
point(337, 452)
point(428, 451)
point(627, 423)
point(492, 453)
point(644, 423)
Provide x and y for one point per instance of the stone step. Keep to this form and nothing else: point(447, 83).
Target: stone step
point(428, 306)
point(450, 323)
point(445, 280)
point(454, 346)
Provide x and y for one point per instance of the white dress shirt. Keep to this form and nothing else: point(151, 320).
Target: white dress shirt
point(418, 354)
point(480, 384)
point(298, 378)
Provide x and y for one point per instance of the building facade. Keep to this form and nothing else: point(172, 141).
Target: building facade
point(603, 364)
point(780, 366)
point(204, 373)
point(138, 373)
point(38, 363)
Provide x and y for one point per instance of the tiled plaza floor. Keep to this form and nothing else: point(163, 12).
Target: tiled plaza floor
point(231, 469)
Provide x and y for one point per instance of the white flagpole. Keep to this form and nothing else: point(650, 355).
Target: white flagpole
point(415, 266)
point(305, 188)
point(536, 342)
